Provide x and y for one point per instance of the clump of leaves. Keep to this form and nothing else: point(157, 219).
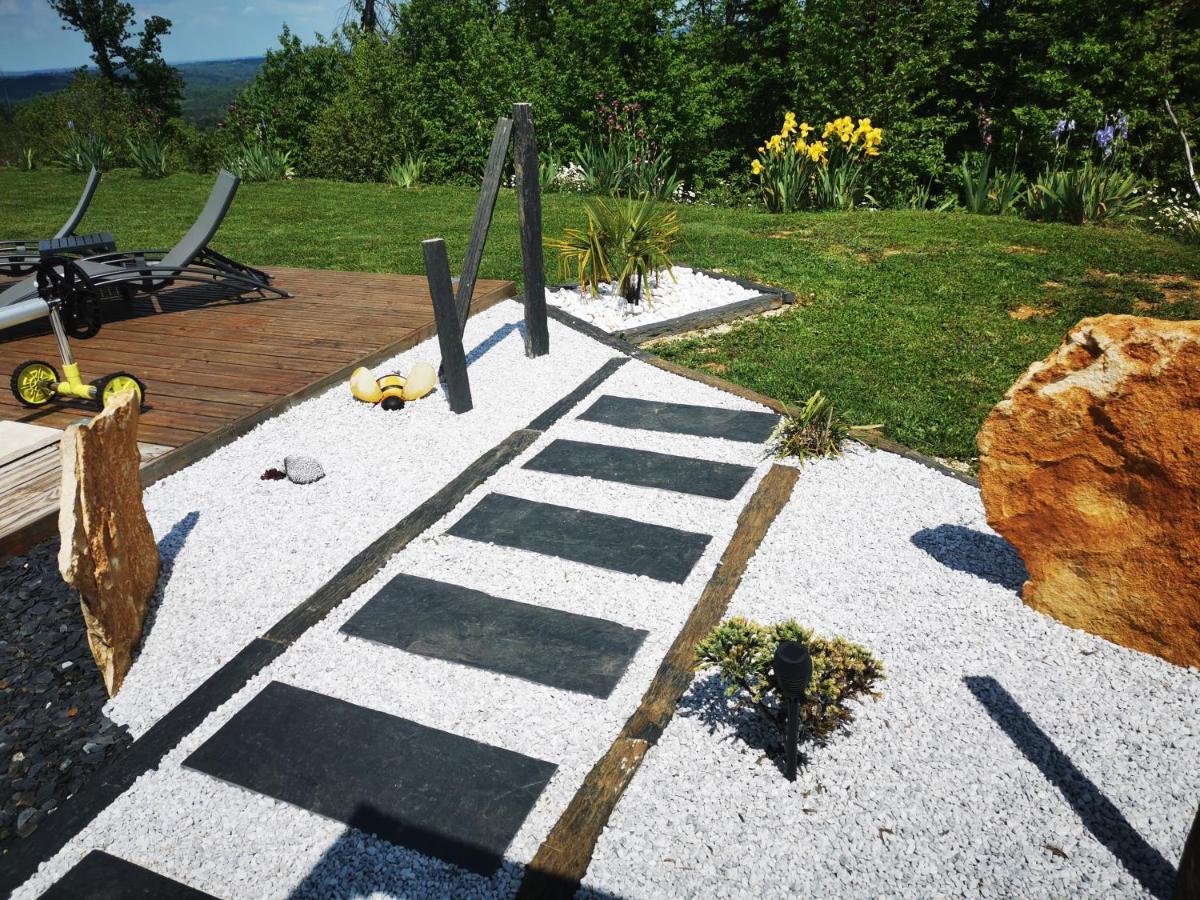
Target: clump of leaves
point(626, 241)
point(813, 430)
point(742, 651)
point(407, 172)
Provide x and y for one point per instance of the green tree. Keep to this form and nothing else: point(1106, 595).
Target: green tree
point(136, 66)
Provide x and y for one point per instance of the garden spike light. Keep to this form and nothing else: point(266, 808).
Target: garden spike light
point(793, 671)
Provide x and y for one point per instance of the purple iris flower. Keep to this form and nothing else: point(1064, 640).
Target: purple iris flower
point(1104, 138)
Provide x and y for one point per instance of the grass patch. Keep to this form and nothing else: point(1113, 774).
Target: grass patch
point(904, 317)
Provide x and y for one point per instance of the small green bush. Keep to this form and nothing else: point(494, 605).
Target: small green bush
point(150, 156)
point(742, 650)
point(406, 172)
point(813, 430)
point(626, 241)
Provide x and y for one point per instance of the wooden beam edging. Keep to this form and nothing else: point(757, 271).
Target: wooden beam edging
point(562, 860)
point(116, 776)
point(45, 527)
point(704, 318)
point(878, 442)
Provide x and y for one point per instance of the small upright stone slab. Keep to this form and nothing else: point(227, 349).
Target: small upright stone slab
point(101, 876)
point(610, 542)
point(438, 793)
point(643, 468)
point(747, 426)
point(446, 621)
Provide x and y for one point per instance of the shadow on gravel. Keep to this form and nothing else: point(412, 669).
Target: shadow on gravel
point(356, 866)
point(964, 549)
point(493, 339)
point(1100, 816)
point(706, 701)
point(168, 551)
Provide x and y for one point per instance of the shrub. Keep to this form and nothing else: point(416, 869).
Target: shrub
point(985, 190)
point(406, 172)
point(261, 160)
point(85, 152)
point(1174, 214)
point(150, 156)
point(830, 173)
point(742, 650)
point(624, 162)
point(813, 430)
point(629, 242)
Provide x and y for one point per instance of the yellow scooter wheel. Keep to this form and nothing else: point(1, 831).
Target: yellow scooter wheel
point(33, 383)
point(111, 385)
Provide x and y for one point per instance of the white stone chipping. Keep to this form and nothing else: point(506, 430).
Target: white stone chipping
point(240, 552)
point(925, 795)
point(690, 291)
point(234, 843)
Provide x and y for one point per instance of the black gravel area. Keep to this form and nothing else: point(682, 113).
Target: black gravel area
point(53, 734)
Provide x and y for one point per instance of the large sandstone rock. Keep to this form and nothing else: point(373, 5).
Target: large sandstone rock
point(1090, 466)
point(108, 551)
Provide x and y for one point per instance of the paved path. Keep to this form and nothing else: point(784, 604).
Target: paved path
point(549, 603)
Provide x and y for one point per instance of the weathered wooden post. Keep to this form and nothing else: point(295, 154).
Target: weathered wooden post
point(483, 218)
point(529, 211)
point(441, 291)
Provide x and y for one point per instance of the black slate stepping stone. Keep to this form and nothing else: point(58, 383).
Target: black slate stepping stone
point(438, 793)
point(446, 621)
point(101, 876)
point(643, 468)
point(610, 542)
point(682, 418)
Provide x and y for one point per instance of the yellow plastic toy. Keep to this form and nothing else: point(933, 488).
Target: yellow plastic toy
point(394, 390)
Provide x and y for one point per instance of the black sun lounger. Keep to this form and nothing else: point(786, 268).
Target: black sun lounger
point(143, 271)
point(22, 257)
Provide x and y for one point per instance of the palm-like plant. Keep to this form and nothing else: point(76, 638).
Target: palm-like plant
point(628, 241)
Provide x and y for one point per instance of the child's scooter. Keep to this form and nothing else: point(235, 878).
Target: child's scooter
point(66, 289)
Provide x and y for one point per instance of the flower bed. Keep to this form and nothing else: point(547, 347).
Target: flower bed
point(693, 299)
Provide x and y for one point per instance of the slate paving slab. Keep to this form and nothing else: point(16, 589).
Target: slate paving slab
point(419, 787)
point(101, 876)
point(644, 468)
point(610, 542)
point(454, 623)
point(747, 426)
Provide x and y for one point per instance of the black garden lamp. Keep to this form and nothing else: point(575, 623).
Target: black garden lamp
point(793, 671)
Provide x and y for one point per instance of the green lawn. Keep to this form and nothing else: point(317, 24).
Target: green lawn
point(904, 316)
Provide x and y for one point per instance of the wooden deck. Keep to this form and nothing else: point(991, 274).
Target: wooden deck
point(209, 359)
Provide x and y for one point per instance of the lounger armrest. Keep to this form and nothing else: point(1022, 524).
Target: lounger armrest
point(131, 257)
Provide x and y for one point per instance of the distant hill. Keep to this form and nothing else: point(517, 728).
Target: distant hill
point(209, 85)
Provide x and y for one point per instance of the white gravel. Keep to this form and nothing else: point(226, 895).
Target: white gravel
point(690, 291)
point(926, 795)
point(240, 552)
point(234, 843)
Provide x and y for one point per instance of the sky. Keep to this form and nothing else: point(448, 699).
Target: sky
point(31, 34)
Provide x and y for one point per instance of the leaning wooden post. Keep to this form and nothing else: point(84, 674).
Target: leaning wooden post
point(441, 291)
point(483, 218)
point(529, 211)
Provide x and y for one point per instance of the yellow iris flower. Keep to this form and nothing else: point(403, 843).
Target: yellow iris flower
point(805, 129)
point(756, 168)
point(789, 124)
point(801, 146)
point(775, 144)
point(817, 151)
